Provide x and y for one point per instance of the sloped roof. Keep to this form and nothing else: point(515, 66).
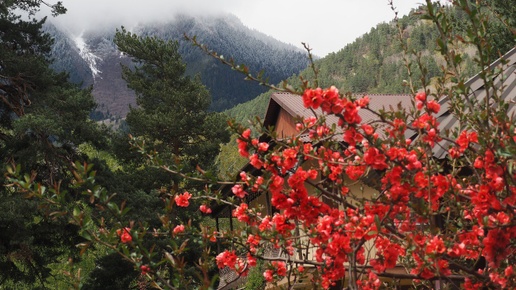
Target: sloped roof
point(506, 79)
point(293, 104)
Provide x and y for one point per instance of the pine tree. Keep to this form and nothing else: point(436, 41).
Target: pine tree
point(42, 120)
point(172, 107)
point(172, 116)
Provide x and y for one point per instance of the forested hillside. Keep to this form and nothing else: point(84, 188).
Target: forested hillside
point(373, 63)
point(92, 59)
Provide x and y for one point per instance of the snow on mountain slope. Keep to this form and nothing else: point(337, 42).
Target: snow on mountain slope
point(89, 57)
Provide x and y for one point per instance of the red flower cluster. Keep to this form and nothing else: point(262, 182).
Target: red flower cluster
point(242, 143)
point(331, 102)
point(205, 209)
point(241, 213)
point(238, 191)
point(421, 101)
point(226, 259)
point(463, 142)
point(278, 268)
point(125, 235)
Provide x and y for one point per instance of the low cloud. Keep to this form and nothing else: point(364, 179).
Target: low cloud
point(92, 14)
point(327, 25)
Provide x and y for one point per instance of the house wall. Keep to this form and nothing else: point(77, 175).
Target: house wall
point(358, 191)
point(261, 202)
point(285, 124)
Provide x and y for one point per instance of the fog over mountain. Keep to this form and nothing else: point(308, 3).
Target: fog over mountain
point(84, 47)
point(326, 25)
point(91, 58)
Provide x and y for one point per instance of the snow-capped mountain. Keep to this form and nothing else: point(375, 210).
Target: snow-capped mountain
point(92, 59)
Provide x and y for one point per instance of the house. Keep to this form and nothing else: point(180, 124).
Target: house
point(284, 110)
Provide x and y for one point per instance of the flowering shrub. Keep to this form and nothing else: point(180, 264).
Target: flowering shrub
point(417, 189)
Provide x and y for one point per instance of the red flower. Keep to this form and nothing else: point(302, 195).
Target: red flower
point(182, 199)
point(420, 100)
point(242, 148)
point(421, 97)
point(125, 235)
point(375, 159)
point(479, 163)
point(368, 129)
point(241, 213)
point(351, 136)
point(496, 246)
point(262, 146)
point(253, 242)
point(363, 102)
point(205, 209)
point(355, 172)
point(242, 143)
point(281, 270)
point(265, 224)
point(178, 229)
point(246, 134)
point(213, 237)
point(435, 246)
point(144, 269)
point(251, 261)
point(255, 161)
point(268, 275)
point(433, 106)
point(239, 191)
point(312, 98)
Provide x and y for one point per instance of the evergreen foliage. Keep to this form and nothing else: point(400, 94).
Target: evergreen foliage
point(172, 117)
point(172, 108)
point(42, 120)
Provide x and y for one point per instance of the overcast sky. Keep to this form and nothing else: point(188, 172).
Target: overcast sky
point(326, 25)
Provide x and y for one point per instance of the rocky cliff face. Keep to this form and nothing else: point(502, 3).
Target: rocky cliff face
point(91, 58)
